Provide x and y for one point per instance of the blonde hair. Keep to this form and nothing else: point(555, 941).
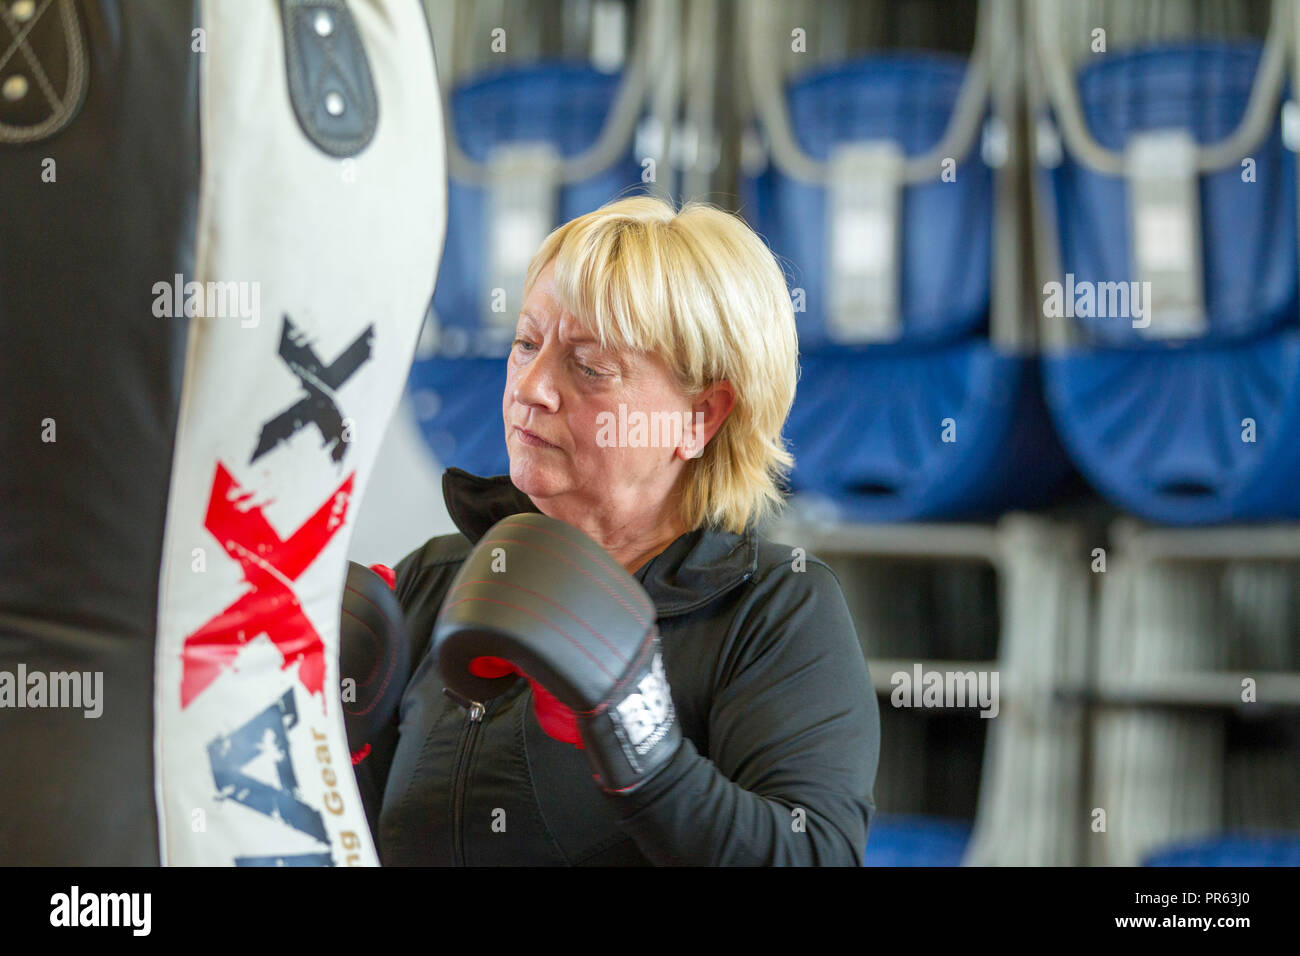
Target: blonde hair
point(700, 289)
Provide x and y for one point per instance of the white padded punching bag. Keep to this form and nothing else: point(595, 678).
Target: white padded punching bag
point(208, 316)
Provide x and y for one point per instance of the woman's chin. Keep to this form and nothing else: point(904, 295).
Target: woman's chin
point(535, 480)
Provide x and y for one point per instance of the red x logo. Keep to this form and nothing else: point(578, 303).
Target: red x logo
point(270, 566)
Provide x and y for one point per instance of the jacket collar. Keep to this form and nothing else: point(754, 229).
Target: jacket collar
point(696, 568)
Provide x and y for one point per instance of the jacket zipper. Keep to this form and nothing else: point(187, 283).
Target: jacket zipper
point(469, 735)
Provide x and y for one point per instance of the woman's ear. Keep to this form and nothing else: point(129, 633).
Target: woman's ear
point(709, 410)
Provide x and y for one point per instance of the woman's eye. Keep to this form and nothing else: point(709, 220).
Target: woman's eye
point(589, 372)
point(523, 344)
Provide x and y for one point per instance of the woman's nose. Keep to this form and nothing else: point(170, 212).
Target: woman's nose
point(535, 382)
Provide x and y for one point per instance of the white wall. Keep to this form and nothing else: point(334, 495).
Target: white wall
point(403, 504)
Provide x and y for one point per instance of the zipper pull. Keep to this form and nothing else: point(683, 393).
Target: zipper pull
point(475, 708)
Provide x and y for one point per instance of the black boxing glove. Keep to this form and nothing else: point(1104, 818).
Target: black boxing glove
point(374, 655)
point(541, 594)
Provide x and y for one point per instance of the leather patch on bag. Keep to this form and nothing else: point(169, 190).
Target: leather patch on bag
point(44, 69)
point(330, 85)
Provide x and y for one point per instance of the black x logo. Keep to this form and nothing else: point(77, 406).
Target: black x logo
point(321, 383)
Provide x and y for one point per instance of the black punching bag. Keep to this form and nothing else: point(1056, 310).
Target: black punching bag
point(219, 229)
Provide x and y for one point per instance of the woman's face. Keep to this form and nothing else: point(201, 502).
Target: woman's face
point(562, 417)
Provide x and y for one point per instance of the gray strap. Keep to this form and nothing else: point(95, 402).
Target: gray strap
point(864, 238)
point(1165, 300)
point(607, 35)
point(522, 211)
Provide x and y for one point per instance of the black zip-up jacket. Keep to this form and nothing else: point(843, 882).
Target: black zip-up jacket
point(779, 719)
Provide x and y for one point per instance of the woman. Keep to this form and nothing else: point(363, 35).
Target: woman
point(653, 367)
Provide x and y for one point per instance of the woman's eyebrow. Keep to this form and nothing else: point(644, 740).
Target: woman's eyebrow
point(579, 336)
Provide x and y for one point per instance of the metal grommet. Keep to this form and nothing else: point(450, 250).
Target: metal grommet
point(323, 23)
point(14, 88)
point(334, 104)
point(22, 10)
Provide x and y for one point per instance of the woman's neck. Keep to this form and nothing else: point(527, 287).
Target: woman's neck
point(637, 558)
point(632, 542)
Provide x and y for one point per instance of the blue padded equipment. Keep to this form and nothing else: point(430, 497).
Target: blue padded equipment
point(867, 427)
point(1231, 849)
point(1248, 229)
point(898, 840)
point(946, 226)
point(867, 432)
point(1159, 431)
point(1163, 428)
point(458, 404)
point(566, 105)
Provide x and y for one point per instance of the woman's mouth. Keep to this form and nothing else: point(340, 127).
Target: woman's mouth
point(528, 438)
